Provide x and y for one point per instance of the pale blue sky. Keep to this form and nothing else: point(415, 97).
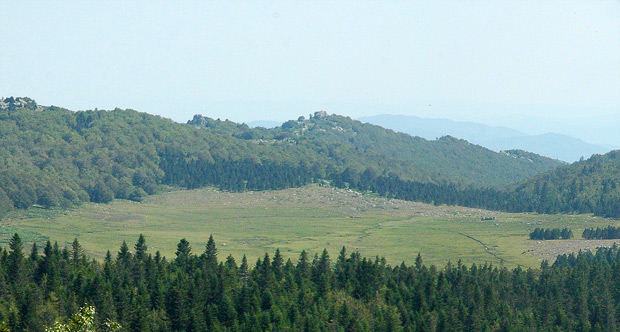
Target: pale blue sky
point(535, 66)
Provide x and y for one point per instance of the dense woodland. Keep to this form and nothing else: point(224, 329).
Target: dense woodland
point(196, 291)
point(607, 233)
point(551, 234)
point(55, 157)
point(596, 192)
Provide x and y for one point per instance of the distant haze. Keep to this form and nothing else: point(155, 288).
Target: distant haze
point(534, 66)
point(264, 124)
point(552, 145)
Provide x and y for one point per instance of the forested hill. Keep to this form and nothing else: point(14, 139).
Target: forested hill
point(55, 157)
point(350, 143)
point(591, 185)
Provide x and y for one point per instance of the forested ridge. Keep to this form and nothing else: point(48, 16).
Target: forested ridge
point(196, 291)
point(55, 157)
point(356, 145)
point(589, 186)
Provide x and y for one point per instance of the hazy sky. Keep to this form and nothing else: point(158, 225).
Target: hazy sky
point(535, 66)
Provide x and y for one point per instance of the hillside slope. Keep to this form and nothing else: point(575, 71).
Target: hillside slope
point(55, 157)
point(352, 144)
point(592, 185)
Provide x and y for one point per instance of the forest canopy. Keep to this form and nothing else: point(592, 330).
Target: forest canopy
point(199, 291)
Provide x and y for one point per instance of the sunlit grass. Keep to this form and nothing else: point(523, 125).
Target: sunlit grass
point(309, 218)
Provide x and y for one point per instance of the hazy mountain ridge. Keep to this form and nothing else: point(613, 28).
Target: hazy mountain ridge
point(431, 128)
point(498, 138)
point(553, 145)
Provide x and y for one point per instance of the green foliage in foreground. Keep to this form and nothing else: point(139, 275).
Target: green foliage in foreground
point(197, 292)
point(83, 321)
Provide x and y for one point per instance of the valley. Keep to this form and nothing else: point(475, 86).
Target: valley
point(137, 194)
point(308, 218)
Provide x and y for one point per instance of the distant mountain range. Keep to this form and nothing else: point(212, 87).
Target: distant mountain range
point(552, 145)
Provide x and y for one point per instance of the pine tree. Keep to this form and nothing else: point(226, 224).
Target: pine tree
point(418, 262)
point(76, 252)
point(243, 270)
point(140, 248)
point(107, 264)
point(124, 256)
point(183, 253)
point(45, 266)
point(16, 257)
point(211, 254)
point(322, 273)
point(341, 268)
point(303, 265)
point(34, 253)
point(277, 264)
point(266, 274)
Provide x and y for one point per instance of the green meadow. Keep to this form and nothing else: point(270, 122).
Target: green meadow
point(310, 218)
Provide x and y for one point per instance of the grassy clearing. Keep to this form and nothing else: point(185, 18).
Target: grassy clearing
point(310, 218)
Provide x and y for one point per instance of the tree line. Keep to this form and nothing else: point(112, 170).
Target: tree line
point(521, 199)
point(610, 232)
point(551, 234)
point(197, 291)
